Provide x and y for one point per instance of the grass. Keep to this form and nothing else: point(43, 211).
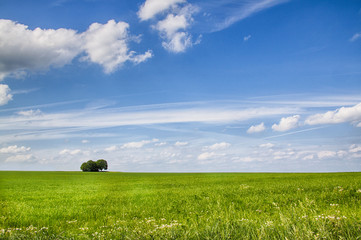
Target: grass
point(76, 205)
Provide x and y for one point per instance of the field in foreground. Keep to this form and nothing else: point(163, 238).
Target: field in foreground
point(76, 205)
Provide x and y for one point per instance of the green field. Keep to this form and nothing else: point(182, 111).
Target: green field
point(77, 205)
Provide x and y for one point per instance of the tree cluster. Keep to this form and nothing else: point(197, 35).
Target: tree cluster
point(94, 166)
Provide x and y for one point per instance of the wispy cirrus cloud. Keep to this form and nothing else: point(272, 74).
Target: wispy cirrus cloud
point(355, 37)
point(43, 124)
point(222, 14)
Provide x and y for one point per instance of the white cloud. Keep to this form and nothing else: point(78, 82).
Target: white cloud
point(355, 148)
point(246, 38)
point(153, 7)
point(238, 10)
point(23, 49)
point(284, 154)
point(21, 158)
point(172, 24)
point(140, 57)
point(355, 37)
point(30, 113)
point(218, 146)
point(257, 128)
point(64, 123)
point(286, 124)
point(139, 144)
point(107, 45)
point(70, 152)
point(111, 148)
point(179, 42)
point(308, 157)
point(173, 28)
point(135, 144)
point(84, 141)
point(5, 95)
point(341, 115)
point(342, 153)
point(245, 159)
point(160, 144)
point(267, 145)
point(180, 144)
point(14, 149)
point(206, 155)
point(326, 154)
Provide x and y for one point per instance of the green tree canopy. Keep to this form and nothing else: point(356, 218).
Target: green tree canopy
point(92, 166)
point(102, 164)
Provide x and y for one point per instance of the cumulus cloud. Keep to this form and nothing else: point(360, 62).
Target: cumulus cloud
point(284, 154)
point(172, 24)
point(218, 146)
point(267, 145)
point(135, 144)
point(70, 152)
point(150, 8)
point(341, 115)
point(173, 29)
point(139, 144)
point(326, 154)
point(179, 42)
point(107, 45)
point(355, 148)
point(160, 144)
point(111, 148)
point(308, 157)
point(355, 37)
point(180, 144)
point(206, 155)
point(23, 49)
point(5, 95)
point(286, 124)
point(256, 128)
point(14, 149)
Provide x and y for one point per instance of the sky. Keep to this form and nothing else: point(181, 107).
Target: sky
point(181, 85)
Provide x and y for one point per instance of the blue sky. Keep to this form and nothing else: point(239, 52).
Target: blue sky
point(181, 85)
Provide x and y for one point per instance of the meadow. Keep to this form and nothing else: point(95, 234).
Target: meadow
point(110, 205)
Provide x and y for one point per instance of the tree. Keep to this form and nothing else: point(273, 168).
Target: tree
point(92, 166)
point(102, 164)
point(84, 167)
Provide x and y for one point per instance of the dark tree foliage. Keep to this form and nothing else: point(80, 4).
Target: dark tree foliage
point(102, 164)
point(92, 166)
